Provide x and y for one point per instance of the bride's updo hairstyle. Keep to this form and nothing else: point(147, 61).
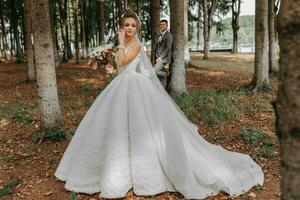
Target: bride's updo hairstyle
point(130, 14)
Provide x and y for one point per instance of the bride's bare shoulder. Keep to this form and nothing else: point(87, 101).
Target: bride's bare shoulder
point(136, 47)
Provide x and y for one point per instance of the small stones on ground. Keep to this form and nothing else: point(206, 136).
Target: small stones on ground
point(252, 194)
point(48, 193)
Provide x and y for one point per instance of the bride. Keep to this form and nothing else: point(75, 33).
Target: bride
point(135, 137)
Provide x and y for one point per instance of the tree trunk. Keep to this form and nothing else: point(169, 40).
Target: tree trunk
point(288, 101)
point(22, 33)
point(28, 41)
point(68, 29)
point(12, 46)
point(120, 7)
point(235, 23)
point(83, 28)
point(261, 65)
point(205, 29)
point(45, 63)
point(14, 24)
point(75, 12)
point(187, 58)
point(101, 24)
point(272, 41)
point(199, 23)
point(3, 31)
point(53, 28)
point(154, 22)
point(177, 9)
point(114, 20)
point(63, 29)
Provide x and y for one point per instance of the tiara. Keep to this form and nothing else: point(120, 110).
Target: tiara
point(131, 13)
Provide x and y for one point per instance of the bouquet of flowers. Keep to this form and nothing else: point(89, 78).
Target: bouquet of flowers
point(104, 56)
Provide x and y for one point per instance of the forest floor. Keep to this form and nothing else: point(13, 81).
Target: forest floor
point(219, 102)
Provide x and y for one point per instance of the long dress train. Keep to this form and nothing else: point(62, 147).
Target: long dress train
point(133, 136)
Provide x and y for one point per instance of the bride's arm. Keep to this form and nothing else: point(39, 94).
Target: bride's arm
point(126, 57)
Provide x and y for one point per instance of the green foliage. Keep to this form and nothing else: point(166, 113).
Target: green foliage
point(212, 106)
point(267, 149)
point(220, 28)
point(73, 196)
point(110, 78)
point(9, 186)
point(3, 111)
point(86, 88)
point(22, 116)
point(254, 137)
point(265, 88)
point(54, 134)
point(259, 105)
point(251, 136)
point(7, 158)
point(246, 33)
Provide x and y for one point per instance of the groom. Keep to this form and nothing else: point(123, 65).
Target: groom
point(163, 51)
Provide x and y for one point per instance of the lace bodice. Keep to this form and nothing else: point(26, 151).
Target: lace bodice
point(130, 68)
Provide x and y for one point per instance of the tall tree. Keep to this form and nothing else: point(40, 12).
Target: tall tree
point(64, 28)
point(82, 4)
point(3, 30)
point(187, 58)
point(120, 7)
point(68, 26)
point(235, 23)
point(272, 40)
point(177, 10)
point(101, 21)
point(15, 28)
point(28, 41)
point(53, 21)
point(45, 63)
point(261, 66)
point(288, 101)
point(205, 29)
point(154, 21)
point(12, 44)
point(76, 29)
point(199, 23)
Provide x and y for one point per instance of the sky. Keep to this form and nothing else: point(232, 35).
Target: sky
point(248, 7)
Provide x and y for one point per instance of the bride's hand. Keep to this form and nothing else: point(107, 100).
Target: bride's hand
point(121, 36)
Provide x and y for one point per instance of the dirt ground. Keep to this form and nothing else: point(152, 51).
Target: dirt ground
point(34, 164)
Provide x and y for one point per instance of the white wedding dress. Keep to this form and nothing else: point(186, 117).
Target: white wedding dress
point(134, 136)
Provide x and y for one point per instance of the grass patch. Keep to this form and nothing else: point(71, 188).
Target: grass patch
point(251, 136)
point(4, 111)
point(110, 78)
point(213, 107)
point(254, 137)
point(76, 73)
point(7, 158)
point(219, 62)
point(9, 187)
point(73, 196)
point(21, 115)
point(86, 89)
point(267, 149)
point(55, 134)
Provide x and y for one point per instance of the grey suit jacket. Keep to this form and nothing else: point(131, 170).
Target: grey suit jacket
point(163, 48)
